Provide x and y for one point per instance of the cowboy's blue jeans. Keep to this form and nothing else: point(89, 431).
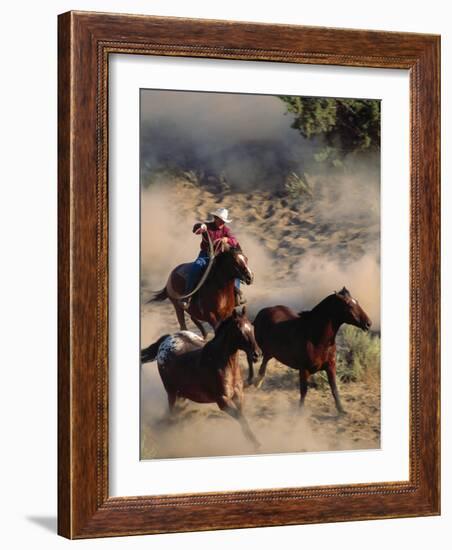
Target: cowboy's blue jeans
point(198, 267)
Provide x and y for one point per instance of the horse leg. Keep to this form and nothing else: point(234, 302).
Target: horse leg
point(200, 326)
point(237, 398)
point(303, 387)
point(180, 315)
point(170, 414)
point(172, 398)
point(331, 373)
point(229, 407)
point(260, 379)
point(249, 381)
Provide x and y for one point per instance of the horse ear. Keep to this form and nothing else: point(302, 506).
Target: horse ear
point(244, 310)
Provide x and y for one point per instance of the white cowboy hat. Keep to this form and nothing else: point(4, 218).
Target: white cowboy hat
point(221, 213)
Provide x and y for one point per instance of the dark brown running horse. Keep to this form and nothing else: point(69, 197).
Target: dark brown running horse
point(207, 372)
point(215, 300)
point(307, 341)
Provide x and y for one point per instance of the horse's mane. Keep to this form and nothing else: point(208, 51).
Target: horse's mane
point(306, 315)
point(229, 250)
point(324, 302)
point(220, 258)
point(219, 333)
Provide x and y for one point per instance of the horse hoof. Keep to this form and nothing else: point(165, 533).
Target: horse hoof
point(257, 446)
point(342, 412)
point(248, 383)
point(258, 382)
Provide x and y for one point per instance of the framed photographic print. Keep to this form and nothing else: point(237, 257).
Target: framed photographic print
point(248, 275)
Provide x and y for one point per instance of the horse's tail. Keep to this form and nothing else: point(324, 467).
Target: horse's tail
point(150, 353)
point(158, 296)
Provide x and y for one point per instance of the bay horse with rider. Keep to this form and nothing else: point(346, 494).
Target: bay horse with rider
point(217, 293)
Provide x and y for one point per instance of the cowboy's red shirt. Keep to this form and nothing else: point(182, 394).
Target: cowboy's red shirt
point(215, 234)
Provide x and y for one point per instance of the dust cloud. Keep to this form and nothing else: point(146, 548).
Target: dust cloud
point(316, 278)
point(246, 138)
point(165, 236)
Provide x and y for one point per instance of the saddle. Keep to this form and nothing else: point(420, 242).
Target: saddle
point(183, 271)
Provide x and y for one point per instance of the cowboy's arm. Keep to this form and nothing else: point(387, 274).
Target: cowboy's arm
point(199, 228)
point(231, 240)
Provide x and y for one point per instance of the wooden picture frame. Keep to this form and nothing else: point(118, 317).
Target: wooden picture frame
point(85, 42)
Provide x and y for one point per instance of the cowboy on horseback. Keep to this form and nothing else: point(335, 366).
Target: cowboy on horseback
point(220, 236)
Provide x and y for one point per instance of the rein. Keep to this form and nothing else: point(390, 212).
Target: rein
point(173, 294)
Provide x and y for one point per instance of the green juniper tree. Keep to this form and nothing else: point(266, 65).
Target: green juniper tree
point(345, 126)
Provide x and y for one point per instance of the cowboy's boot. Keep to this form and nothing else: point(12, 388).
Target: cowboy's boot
point(240, 299)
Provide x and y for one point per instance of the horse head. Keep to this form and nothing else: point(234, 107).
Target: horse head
point(241, 332)
point(352, 312)
point(234, 264)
